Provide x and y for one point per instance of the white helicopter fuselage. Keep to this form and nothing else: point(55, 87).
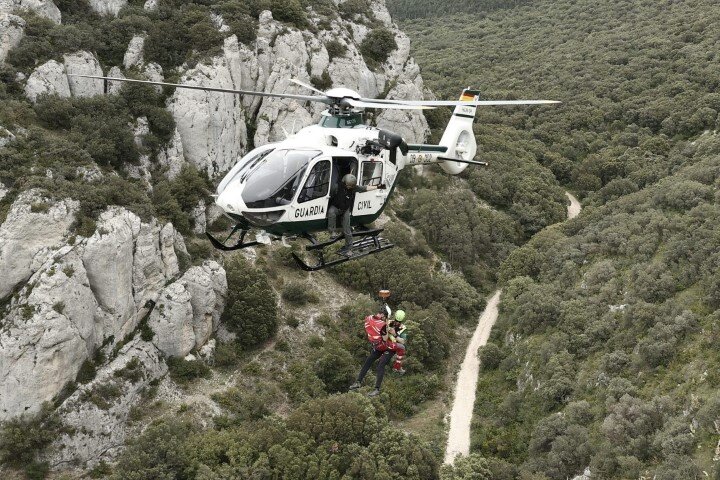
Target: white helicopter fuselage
point(286, 187)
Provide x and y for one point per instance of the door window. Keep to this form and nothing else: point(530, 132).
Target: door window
point(318, 182)
point(372, 173)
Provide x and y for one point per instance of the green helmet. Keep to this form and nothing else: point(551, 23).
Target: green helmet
point(400, 315)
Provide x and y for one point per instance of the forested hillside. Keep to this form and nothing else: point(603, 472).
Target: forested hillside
point(605, 354)
point(128, 347)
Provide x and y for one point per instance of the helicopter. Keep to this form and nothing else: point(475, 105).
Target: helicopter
point(284, 188)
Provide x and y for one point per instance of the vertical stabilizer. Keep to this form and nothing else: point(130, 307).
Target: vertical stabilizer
point(459, 137)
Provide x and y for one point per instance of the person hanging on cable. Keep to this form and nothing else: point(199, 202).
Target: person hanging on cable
point(383, 349)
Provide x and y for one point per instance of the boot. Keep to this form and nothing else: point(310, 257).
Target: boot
point(399, 371)
point(354, 386)
point(374, 393)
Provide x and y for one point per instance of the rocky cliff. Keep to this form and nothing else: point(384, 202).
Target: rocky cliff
point(212, 127)
point(68, 300)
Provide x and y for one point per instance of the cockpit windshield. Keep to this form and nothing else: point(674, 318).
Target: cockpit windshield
point(274, 180)
point(341, 121)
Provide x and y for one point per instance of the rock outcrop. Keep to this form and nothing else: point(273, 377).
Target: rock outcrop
point(114, 87)
point(6, 136)
point(98, 414)
point(188, 311)
point(51, 77)
point(134, 54)
point(34, 226)
point(212, 126)
point(48, 334)
point(11, 32)
point(83, 63)
point(48, 78)
point(44, 8)
point(81, 296)
point(107, 7)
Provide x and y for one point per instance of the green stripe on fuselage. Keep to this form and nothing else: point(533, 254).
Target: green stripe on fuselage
point(426, 148)
point(321, 224)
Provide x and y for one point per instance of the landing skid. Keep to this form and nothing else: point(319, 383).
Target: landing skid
point(368, 242)
point(238, 245)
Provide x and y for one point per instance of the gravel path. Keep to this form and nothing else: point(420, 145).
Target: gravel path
point(574, 208)
point(462, 411)
point(461, 414)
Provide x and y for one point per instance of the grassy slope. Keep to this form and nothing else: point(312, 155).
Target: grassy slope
point(638, 89)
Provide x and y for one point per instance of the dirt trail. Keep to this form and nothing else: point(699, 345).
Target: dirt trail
point(461, 414)
point(462, 410)
point(574, 208)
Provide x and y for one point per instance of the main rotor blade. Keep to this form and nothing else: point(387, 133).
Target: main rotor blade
point(454, 103)
point(309, 87)
point(308, 98)
point(367, 103)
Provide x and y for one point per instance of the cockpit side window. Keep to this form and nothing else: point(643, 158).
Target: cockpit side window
point(318, 182)
point(372, 173)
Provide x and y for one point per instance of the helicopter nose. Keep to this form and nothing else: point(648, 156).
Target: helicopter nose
point(228, 201)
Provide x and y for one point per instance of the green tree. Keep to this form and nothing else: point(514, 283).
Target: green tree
point(251, 309)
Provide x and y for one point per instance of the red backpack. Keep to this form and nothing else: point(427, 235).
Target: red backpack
point(374, 328)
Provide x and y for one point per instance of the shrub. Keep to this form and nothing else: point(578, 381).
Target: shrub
point(377, 45)
point(290, 11)
point(103, 395)
point(350, 8)
point(298, 294)
point(158, 453)
point(335, 49)
point(323, 82)
point(23, 438)
point(490, 356)
point(183, 371)
point(251, 309)
point(336, 368)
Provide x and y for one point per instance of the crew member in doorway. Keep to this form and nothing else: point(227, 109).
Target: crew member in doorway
point(341, 204)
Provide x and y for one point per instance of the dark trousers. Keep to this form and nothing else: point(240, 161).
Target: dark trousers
point(384, 357)
point(333, 213)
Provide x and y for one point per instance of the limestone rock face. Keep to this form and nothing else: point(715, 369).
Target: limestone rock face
point(410, 124)
point(212, 126)
point(48, 334)
point(173, 156)
point(3, 189)
point(51, 77)
point(83, 63)
point(33, 226)
point(107, 7)
point(44, 8)
point(108, 258)
point(171, 320)
point(99, 429)
point(207, 286)
point(81, 296)
point(6, 136)
point(188, 311)
point(114, 87)
point(134, 54)
point(48, 78)
point(11, 32)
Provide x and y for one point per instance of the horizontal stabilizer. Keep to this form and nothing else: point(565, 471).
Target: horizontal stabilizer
point(460, 160)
